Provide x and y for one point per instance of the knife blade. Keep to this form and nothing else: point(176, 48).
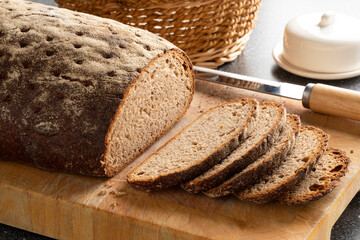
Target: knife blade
point(318, 97)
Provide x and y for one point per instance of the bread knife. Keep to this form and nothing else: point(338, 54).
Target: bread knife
point(318, 97)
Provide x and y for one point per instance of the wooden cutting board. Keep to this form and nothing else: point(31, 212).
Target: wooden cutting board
point(68, 206)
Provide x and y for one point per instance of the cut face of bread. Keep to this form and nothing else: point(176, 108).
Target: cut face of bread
point(264, 164)
point(322, 178)
point(196, 148)
point(309, 147)
point(151, 106)
point(271, 119)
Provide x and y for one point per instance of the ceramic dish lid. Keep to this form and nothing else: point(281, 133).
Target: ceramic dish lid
point(321, 45)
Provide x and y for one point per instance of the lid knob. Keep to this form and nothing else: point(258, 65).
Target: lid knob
point(327, 19)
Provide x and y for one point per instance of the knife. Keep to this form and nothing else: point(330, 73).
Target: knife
point(318, 97)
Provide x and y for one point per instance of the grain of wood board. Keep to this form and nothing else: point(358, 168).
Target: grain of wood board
point(66, 206)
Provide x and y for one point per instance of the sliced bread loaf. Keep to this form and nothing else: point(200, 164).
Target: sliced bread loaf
point(321, 180)
point(197, 147)
point(271, 119)
point(263, 165)
point(309, 147)
point(84, 94)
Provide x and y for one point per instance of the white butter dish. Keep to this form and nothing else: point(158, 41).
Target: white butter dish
point(320, 45)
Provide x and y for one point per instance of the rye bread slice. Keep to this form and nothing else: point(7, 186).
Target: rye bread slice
point(263, 165)
point(321, 180)
point(197, 147)
point(309, 147)
point(271, 119)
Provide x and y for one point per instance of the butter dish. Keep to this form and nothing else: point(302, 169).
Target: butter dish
point(320, 45)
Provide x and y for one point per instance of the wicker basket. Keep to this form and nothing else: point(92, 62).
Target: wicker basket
point(211, 32)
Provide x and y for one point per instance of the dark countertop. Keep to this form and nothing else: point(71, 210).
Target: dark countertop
point(256, 61)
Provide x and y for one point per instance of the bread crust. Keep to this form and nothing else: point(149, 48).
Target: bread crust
point(64, 79)
point(204, 184)
point(177, 177)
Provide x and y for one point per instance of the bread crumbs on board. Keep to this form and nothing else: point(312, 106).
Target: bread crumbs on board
point(117, 193)
point(114, 204)
point(102, 192)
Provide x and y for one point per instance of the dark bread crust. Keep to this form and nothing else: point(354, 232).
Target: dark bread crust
point(331, 179)
point(204, 184)
point(60, 93)
point(176, 177)
point(299, 175)
point(250, 176)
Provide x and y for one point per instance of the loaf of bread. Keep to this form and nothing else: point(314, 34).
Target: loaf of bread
point(83, 94)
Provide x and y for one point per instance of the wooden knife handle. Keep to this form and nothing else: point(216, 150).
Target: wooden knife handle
point(331, 100)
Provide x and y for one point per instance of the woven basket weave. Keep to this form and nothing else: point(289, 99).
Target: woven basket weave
point(211, 32)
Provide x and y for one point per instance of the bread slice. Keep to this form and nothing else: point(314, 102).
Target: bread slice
point(197, 147)
point(263, 165)
point(84, 94)
point(271, 119)
point(321, 180)
point(309, 147)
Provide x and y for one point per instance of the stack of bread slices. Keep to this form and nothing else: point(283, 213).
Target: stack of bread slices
point(254, 151)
